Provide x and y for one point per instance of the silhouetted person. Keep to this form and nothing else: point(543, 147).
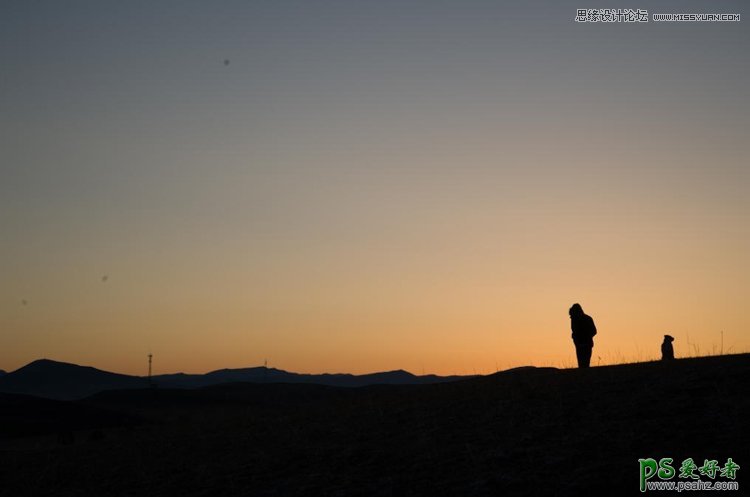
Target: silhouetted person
point(667, 351)
point(583, 334)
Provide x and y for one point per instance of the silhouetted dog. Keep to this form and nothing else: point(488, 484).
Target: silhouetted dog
point(667, 351)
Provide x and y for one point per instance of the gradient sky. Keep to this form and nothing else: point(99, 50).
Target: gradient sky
point(369, 185)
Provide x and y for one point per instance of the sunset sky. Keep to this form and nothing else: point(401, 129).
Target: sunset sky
point(358, 186)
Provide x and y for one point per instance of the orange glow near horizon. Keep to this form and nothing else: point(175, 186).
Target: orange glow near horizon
point(469, 287)
point(446, 275)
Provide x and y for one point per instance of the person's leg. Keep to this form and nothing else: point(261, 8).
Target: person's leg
point(586, 356)
point(583, 353)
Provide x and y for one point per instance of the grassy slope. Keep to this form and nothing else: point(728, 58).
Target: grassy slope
point(522, 432)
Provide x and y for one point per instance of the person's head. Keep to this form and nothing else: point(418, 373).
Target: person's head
point(575, 310)
point(668, 339)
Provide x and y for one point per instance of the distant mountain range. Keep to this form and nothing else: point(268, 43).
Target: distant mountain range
point(65, 381)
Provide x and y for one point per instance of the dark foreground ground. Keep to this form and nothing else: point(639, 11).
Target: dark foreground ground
point(521, 432)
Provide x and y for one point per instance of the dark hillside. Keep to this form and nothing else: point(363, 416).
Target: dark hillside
point(527, 431)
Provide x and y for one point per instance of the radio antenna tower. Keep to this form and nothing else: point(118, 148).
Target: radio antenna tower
point(150, 356)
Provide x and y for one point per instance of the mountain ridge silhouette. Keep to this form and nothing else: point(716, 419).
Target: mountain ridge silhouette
point(52, 379)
